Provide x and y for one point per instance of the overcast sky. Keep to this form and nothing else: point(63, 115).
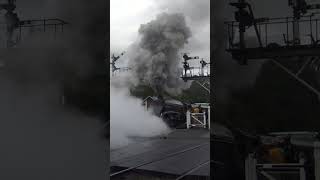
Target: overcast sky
point(126, 16)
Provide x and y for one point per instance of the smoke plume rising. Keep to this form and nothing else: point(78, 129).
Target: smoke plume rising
point(154, 60)
point(155, 57)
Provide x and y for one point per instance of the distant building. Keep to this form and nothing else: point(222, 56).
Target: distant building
point(154, 103)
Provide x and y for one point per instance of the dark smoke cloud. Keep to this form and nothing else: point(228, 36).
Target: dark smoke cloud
point(271, 8)
point(85, 36)
point(41, 138)
point(197, 15)
point(155, 59)
point(230, 77)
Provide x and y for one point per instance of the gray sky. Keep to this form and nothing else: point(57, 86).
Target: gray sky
point(126, 16)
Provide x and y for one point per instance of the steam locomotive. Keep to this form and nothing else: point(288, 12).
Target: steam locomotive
point(173, 112)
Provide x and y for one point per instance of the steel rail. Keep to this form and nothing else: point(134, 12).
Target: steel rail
point(156, 160)
point(193, 169)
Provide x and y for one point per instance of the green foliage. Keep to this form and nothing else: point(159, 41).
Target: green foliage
point(142, 91)
point(195, 94)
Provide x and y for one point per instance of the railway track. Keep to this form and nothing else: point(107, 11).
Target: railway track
point(112, 175)
point(192, 170)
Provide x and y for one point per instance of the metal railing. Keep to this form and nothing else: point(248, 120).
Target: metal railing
point(196, 72)
point(276, 30)
point(36, 25)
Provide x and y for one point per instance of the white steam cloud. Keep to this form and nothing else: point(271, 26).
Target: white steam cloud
point(129, 118)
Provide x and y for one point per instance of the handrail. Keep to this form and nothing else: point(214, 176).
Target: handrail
point(285, 24)
point(279, 18)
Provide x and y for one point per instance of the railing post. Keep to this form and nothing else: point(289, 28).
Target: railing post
point(296, 32)
point(251, 167)
point(316, 29)
point(311, 32)
point(188, 119)
point(229, 35)
point(302, 171)
point(316, 153)
point(288, 39)
point(209, 117)
point(232, 31)
point(204, 120)
point(266, 33)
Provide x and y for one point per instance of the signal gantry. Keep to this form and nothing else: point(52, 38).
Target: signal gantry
point(13, 23)
point(201, 75)
point(289, 44)
point(114, 68)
